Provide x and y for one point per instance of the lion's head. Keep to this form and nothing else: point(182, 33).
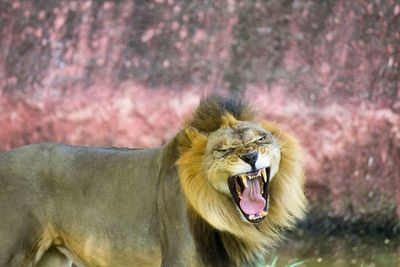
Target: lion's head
point(240, 158)
point(242, 175)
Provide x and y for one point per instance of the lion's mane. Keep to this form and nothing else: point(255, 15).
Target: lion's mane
point(221, 237)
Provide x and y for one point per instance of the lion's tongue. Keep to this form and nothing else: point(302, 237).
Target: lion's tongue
point(252, 201)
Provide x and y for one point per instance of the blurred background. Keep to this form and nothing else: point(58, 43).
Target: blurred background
point(128, 73)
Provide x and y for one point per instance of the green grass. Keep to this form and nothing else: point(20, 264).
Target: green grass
point(274, 262)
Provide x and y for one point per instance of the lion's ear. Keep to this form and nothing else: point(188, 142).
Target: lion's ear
point(190, 137)
point(195, 135)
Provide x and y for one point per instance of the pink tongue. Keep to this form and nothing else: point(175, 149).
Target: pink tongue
point(252, 201)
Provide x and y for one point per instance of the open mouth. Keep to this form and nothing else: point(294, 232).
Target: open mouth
point(250, 193)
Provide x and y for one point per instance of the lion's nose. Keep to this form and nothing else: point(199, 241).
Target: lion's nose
point(250, 158)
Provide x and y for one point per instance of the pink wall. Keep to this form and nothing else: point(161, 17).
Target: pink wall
point(126, 74)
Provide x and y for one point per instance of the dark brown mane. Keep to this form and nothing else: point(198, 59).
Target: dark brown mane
point(208, 115)
point(216, 248)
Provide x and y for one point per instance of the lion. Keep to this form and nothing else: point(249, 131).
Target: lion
point(221, 193)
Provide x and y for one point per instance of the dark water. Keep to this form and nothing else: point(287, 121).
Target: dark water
point(339, 249)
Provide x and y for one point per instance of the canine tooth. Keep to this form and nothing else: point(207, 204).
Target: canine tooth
point(264, 213)
point(264, 175)
point(238, 191)
point(244, 180)
point(251, 217)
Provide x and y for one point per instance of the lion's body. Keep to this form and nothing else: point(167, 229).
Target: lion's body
point(102, 207)
point(167, 206)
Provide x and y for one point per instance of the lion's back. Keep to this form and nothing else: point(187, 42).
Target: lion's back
point(38, 173)
point(19, 167)
point(45, 159)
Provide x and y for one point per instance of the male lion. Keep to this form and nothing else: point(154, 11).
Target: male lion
point(218, 194)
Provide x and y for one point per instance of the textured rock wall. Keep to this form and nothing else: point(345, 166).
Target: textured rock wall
point(127, 73)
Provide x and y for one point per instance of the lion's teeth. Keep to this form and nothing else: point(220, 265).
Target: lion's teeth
point(244, 180)
point(264, 175)
point(258, 215)
point(264, 213)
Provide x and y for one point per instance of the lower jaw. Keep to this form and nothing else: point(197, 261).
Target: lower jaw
point(252, 218)
point(253, 221)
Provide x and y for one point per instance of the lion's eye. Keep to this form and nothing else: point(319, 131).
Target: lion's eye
point(264, 139)
point(224, 151)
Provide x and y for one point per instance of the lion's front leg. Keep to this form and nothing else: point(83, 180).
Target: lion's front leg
point(53, 257)
point(177, 244)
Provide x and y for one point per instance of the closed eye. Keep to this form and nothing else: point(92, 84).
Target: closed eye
point(223, 152)
point(266, 139)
